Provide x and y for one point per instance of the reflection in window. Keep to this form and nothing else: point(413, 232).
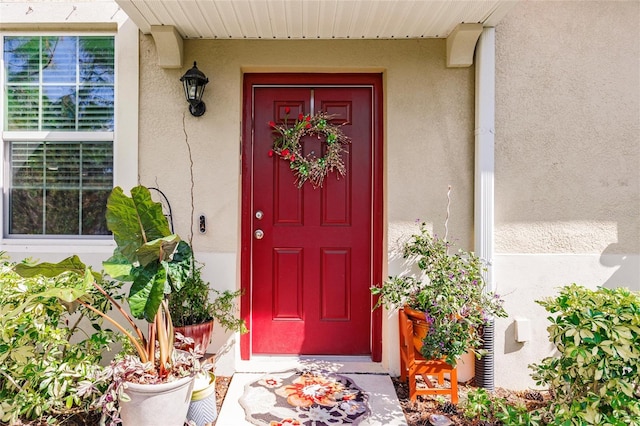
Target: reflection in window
point(58, 84)
point(66, 83)
point(60, 188)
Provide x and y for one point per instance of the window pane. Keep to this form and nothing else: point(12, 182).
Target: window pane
point(96, 109)
point(60, 188)
point(22, 107)
point(62, 212)
point(97, 165)
point(22, 59)
point(96, 60)
point(59, 59)
point(27, 164)
point(94, 220)
point(26, 214)
point(59, 108)
point(62, 165)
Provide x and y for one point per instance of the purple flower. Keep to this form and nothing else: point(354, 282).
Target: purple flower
point(430, 320)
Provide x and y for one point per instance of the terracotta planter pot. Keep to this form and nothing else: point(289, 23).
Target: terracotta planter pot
point(161, 404)
point(420, 326)
point(420, 330)
point(200, 333)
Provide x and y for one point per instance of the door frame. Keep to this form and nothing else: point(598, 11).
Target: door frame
point(373, 80)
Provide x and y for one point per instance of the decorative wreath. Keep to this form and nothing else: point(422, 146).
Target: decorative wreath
point(288, 147)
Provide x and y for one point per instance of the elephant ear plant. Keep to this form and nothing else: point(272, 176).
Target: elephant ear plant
point(154, 260)
point(156, 263)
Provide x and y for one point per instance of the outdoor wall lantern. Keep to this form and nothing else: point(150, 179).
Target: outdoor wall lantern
point(194, 82)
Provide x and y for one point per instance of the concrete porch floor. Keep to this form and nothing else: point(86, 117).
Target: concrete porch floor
point(369, 376)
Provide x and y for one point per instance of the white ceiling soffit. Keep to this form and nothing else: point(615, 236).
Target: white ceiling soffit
point(313, 19)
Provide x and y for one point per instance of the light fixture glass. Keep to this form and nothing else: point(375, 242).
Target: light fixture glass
point(194, 82)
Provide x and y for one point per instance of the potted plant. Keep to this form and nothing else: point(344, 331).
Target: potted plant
point(156, 263)
point(448, 297)
point(196, 307)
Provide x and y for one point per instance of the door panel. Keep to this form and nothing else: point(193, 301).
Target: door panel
point(311, 272)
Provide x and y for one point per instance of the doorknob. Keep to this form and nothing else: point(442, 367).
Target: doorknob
point(259, 214)
point(258, 234)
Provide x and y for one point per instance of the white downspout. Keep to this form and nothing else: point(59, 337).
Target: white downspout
point(484, 150)
point(484, 182)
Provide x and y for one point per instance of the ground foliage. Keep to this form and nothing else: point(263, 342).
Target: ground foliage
point(595, 377)
point(583, 323)
point(417, 413)
point(45, 355)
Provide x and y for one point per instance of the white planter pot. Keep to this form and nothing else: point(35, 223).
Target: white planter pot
point(163, 404)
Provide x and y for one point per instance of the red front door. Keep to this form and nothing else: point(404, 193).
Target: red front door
point(309, 253)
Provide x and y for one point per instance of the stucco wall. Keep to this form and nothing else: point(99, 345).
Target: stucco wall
point(428, 132)
point(567, 178)
point(428, 126)
point(567, 153)
point(567, 123)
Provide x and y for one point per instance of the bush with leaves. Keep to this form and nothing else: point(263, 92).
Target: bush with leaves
point(43, 374)
point(451, 293)
point(595, 379)
point(192, 305)
point(485, 408)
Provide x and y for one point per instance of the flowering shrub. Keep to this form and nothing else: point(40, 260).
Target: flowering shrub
point(595, 379)
point(450, 292)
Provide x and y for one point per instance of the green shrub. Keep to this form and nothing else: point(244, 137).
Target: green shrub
point(42, 374)
point(484, 408)
point(595, 379)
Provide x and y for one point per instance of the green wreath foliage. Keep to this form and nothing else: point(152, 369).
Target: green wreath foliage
point(287, 145)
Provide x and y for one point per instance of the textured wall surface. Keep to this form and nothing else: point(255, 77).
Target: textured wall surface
point(567, 176)
point(568, 128)
point(428, 127)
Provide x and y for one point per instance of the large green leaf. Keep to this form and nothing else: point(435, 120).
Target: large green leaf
point(66, 295)
point(50, 270)
point(147, 291)
point(135, 221)
point(118, 267)
point(180, 267)
point(151, 216)
point(158, 250)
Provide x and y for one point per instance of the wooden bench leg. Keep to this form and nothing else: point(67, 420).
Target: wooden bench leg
point(412, 387)
point(454, 386)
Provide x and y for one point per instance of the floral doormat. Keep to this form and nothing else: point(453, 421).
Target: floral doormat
point(304, 398)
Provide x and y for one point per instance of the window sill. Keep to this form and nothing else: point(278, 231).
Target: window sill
point(70, 246)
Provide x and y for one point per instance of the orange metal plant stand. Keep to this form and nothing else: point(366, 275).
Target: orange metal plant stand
point(412, 363)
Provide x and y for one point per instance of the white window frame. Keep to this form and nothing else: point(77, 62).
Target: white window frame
point(125, 141)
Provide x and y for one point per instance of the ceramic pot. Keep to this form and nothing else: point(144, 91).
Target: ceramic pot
point(158, 404)
point(420, 326)
point(202, 409)
point(466, 363)
point(200, 333)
